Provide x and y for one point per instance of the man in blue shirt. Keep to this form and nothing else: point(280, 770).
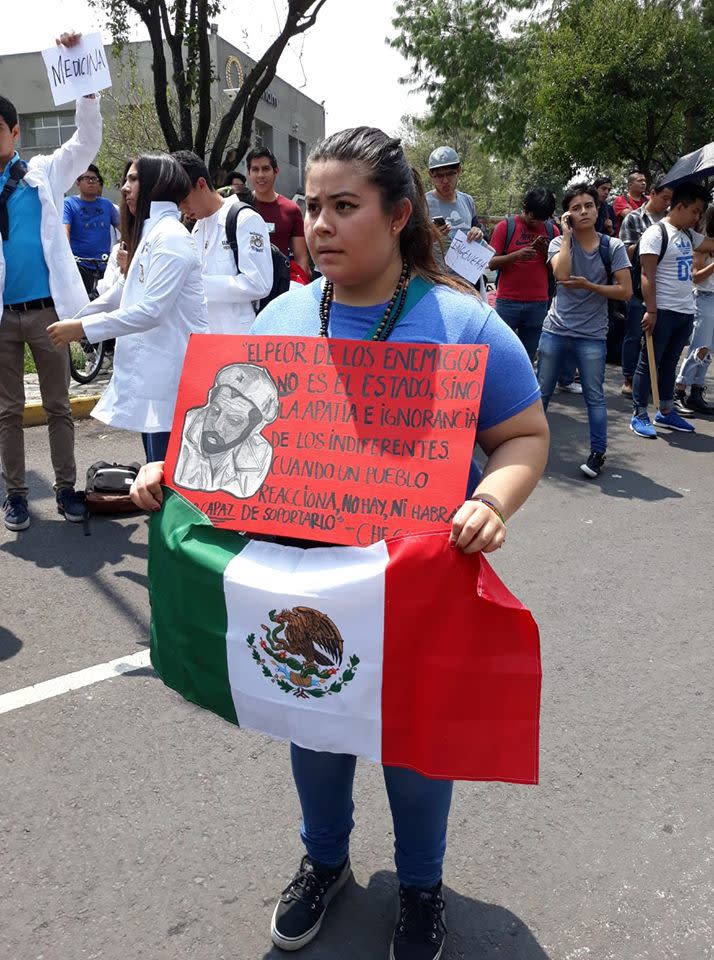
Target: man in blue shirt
point(39, 281)
point(88, 220)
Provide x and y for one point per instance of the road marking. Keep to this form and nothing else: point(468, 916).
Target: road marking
point(73, 681)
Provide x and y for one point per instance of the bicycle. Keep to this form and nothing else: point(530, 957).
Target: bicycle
point(85, 358)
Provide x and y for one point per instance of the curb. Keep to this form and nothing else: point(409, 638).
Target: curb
point(81, 408)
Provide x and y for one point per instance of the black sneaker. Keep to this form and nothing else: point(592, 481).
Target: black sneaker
point(15, 512)
point(420, 933)
point(697, 400)
point(593, 465)
point(301, 908)
point(70, 504)
point(681, 405)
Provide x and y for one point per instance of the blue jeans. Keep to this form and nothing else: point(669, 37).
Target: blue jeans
point(155, 445)
point(671, 333)
point(525, 318)
point(634, 312)
point(693, 371)
point(557, 353)
point(420, 813)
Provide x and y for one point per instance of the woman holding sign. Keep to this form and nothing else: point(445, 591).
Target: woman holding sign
point(152, 310)
point(369, 233)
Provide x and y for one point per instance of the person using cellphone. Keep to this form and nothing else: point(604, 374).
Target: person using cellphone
point(521, 244)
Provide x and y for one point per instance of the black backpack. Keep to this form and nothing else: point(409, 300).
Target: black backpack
point(108, 486)
point(281, 263)
point(636, 268)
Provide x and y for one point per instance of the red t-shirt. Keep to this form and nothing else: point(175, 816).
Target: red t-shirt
point(619, 205)
point(284, 220)
point(523, 280)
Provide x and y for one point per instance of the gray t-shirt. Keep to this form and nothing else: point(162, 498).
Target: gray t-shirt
point(581, 313)
point(459, 215)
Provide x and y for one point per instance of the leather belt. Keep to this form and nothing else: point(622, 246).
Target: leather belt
point(44, 303)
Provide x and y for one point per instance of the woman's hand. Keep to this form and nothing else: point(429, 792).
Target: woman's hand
point(474, 234)
point(476, 528)
point(63, 332)
point(146, 489)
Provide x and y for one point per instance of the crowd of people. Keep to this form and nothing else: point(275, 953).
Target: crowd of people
point(557, 283)
point(369, 232)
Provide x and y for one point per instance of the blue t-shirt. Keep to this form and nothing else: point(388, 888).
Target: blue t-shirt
point(90, 223)
point(442, 316)
point(26, 273)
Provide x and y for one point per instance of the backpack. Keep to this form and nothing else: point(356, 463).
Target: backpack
point(549, 232)
point(108, 486)
point(281, 263)
point(636, 268)
point(17, 173)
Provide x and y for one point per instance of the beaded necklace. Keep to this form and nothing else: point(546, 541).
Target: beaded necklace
point(391, 314)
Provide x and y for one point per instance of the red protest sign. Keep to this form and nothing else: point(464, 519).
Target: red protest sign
point(343, 441)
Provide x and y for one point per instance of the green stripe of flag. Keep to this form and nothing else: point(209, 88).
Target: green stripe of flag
point(187, 560)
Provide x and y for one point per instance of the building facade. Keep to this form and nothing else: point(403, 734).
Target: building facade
point(286, 121)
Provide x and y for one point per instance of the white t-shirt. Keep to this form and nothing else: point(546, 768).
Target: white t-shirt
point(675, 290)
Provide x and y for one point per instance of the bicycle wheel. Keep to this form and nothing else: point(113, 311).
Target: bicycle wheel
point(85, 360)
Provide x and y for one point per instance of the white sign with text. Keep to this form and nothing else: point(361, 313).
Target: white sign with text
point(469, 260)
point(76, 71)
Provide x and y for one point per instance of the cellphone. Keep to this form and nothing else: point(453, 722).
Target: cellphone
point(440, 221)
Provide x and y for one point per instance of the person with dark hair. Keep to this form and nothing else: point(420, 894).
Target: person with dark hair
point(230, 292)
point(693, 370)
point(39, 280)
point(283, 216)
point(589, 269)
point(666, 255)
point(605, 222)
point(633, 226)
point(521, 244)
point(236, 181)
point(633, 199)
point(152, 311)
point(371, 236)
point(88, 220)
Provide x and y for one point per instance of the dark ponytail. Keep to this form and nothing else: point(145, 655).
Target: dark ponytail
point(161, 177)
point(384, 164)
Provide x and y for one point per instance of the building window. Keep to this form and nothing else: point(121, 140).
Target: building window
point(46, 130)
point(293, 152)
point(263, 135)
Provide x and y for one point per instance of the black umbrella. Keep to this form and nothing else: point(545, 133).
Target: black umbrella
point(693, 166)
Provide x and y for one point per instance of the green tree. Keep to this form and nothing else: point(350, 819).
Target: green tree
point(182, 83)
point(617, 80)
point(586, 84)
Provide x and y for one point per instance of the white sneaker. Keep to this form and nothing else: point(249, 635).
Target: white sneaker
point(570, 387)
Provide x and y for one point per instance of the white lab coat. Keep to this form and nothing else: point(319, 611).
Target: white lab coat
point(53, 175)
point(160, 304)
point(230, 296)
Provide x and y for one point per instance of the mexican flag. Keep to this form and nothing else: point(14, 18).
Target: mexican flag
point(407, 652)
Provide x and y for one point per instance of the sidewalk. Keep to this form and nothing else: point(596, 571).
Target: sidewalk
point(83, 397)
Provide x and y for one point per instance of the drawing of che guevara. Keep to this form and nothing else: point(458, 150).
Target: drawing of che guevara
point(221, 445)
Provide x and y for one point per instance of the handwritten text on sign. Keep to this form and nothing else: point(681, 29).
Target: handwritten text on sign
point(469, 260)
point(342, 441)
point(77, 71)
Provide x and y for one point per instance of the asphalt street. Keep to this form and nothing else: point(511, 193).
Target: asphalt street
point(134, 825)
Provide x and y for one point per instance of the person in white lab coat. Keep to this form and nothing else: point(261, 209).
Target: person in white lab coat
point(230, 292)
point(39, 281)
point(152, 311)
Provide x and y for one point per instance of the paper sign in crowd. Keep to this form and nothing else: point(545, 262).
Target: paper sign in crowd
point(335, 440)
point(77, 71)
point(469, 260)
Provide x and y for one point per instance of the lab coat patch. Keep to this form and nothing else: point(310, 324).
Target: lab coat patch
point(256, 242)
